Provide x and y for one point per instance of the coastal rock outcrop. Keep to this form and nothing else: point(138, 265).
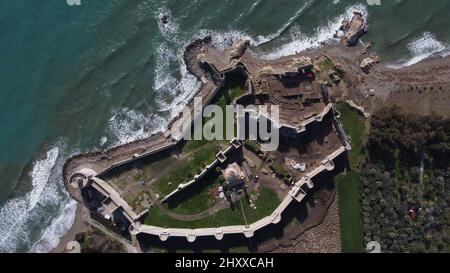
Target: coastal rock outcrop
point(193, 55)
point(354, 29)
point(238, 49)
point(367, 63)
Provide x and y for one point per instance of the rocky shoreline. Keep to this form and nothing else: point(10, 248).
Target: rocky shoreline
point(371, 89)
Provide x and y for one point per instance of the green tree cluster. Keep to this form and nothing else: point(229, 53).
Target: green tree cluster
point(405, 184)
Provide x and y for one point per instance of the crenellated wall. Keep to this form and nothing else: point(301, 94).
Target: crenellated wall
point(81, 174)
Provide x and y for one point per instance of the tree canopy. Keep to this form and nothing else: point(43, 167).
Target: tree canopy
point(405, 183)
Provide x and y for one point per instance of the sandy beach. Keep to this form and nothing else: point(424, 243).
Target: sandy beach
point(79, 225)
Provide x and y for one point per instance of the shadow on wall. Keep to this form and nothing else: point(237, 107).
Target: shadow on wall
point(299, 212)
point(138, 163)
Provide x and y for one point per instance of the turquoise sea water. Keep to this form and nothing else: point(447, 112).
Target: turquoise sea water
point(76, 78)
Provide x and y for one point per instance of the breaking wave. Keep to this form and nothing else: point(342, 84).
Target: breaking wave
point(420, 49)
point(261, 39)
point(265, 39)
point(301, 42)
point(173, 86)
point(57, 229)
point(128, 125)
point(22, 216)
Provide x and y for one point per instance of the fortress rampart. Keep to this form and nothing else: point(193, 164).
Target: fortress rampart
point(86, 170)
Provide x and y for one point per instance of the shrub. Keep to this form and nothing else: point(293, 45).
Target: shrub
point(280, 171)
point(252, 146)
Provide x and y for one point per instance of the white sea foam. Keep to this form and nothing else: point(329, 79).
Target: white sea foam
point(40, 176)
point(172, 89)
point(180, 93)
point(264, 39)
point(171, 95)
point(170, 29)
point(102, 141)
point(446, 52)
point(164, 83)
point(422, 48)
point(12, 216)
point(254, 5)
point(261, 39)
point(19, 216)
point(127, 125)
point(223, 39)
point(301, 42)
point(58, 228)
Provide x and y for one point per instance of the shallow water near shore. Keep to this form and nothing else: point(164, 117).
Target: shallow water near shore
point(73, 79)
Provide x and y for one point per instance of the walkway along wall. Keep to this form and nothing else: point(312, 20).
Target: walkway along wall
point(297, 193)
